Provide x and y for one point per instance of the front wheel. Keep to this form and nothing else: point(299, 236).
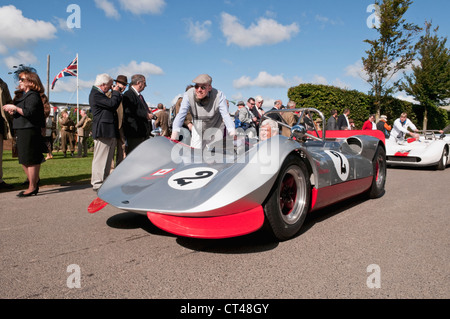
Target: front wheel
point(289, 200)
point(379, 173)
point(443, 161)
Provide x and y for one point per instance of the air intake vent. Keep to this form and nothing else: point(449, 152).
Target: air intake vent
point(352, 145)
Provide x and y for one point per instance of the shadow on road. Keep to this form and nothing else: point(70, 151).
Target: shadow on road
point(256, 242)
point(262, 240)
point(252, 243)
point(413, 168)
point(130, 220)
point(330, 211)
point(52, 189)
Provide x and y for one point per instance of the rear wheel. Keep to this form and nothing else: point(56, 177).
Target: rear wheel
point(444, 159)
point(288, 202)
point(379, 173)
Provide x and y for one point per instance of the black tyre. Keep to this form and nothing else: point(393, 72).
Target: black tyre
point(289, 200)
point(379, 173)
point(443, 161)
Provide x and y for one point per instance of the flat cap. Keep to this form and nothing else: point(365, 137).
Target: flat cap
point(203, 79)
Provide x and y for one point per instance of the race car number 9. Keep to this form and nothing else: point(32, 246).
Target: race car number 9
point(193, 178)
point(340, 164)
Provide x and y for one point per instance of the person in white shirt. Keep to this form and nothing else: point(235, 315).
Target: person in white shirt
point(400, 129)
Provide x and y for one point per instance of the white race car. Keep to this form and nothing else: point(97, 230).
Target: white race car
point(431, 149)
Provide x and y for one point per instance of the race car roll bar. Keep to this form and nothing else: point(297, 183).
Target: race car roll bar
point(304, 123)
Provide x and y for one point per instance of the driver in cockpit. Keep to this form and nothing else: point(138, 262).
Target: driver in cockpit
point(267, 129)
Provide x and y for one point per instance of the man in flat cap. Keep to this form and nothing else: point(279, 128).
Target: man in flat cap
point(209, 110)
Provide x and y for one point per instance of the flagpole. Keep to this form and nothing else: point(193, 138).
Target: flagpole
point(48, 77)
point(78, 75)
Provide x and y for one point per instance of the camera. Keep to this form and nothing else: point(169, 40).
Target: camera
point(121, 88)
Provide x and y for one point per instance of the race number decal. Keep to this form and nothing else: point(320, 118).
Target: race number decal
point(340, 164)
point(193, 178)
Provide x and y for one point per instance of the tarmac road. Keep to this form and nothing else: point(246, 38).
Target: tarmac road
point(397, 246)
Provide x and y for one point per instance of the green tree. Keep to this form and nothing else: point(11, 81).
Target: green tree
point(429, 82)
point(392, 52)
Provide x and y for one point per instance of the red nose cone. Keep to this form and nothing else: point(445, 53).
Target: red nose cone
point(96, 205)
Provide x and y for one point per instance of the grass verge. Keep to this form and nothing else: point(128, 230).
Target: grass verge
point(57, 171)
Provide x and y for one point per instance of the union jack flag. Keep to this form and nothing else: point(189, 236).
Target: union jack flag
point(71, 70)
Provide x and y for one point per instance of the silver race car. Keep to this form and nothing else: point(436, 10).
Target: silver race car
point(430, 150)
point(235, 187)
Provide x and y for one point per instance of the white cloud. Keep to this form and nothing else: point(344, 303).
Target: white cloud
point(265, 32)
point(199, 32)
point(318, 79)
point(297, 81)
point(144, 68)
point(237, 97)
point(407, 98)
point(321, 18)
point(356, 70)
point(263, 79)
point(270, 102)
point(18, 31)
point(340, 84)
point(108, 8)
point(62, 24)
point(266, 80)
point(325, 20)
point(139, 7)
point(136, 7)
point(271, 14)
point(409, 69)
point(21, 57)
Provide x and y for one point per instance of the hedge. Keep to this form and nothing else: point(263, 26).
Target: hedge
point(326, 98)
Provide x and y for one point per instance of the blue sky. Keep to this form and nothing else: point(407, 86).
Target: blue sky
point(249, 47)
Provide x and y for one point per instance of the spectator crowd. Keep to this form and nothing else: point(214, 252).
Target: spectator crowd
point(119, 120)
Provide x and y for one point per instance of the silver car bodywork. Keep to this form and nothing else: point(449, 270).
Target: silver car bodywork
point(169, 178)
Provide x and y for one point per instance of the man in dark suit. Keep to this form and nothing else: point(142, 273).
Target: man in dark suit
point(136, 115)
point(342, 122)
point(278, 105)
point(251, 103)
point(332, 121)
point(104, 127)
